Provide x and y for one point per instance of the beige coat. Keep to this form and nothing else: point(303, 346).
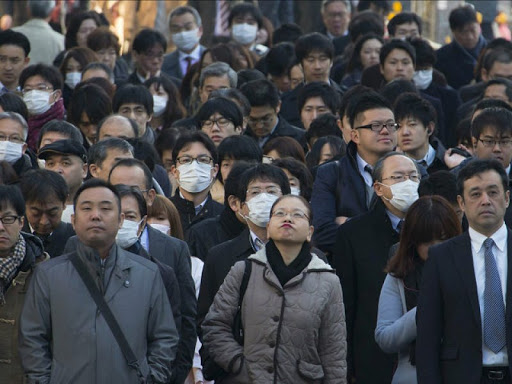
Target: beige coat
point(293, 334)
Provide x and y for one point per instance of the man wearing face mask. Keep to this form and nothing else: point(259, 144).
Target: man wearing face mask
point(195, 167)
point(41, 86)
point(186, 29)
point(13, 148)
point(244, 21)
point(360, 256)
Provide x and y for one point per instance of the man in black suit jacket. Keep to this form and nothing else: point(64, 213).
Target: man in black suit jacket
point(465, 296)
point(360, 256)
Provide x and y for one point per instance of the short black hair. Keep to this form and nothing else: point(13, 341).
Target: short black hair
point(324, 125)
point(136, 94)
point(232, 181)
point(462, 16)
point(476, 167)
point(97, 183)
point(367, 101)
point(10, 195)
point(136, 193)
point(500, 55)
point(74, 24)
point(245, 76)
point(145, 152)
point(364, 5)
point(129, 163)
point(239, 147)
point(396, 44)
point(349, 98)
point(98, 152)
point(166, 140)
point(323, 90)
point(10, 37)
point(102, 66)
point(147, 39)
point(289, 32)
point(279, 59)
point(497, 118)
point(243, 9)
point(365, 22)
point(313, 42)
point(267, 172)
point(425, 54)
point(441, 183)
point(235, 95)
point(404, 18)
point(225, 107)
point(11, 102)
point(261, 93)
point(300, 171)
point(413, 105)
point(48, 72)
point(397, 87)
point(463, 132)
point(41, 184)
point(491, 103)
point(92, 100)
point(194, 137)
point(62, 127)
point(501, 81)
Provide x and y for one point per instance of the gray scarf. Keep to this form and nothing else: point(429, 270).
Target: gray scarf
point(9, 266)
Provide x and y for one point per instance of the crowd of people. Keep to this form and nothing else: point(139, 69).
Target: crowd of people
point(260, 204)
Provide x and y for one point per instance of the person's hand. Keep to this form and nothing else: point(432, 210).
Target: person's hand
point(341, 220)
point(453, 160)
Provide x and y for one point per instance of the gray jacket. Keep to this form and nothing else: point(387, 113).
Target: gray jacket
point(63, 339)
point(396, 328)
point(293, 334)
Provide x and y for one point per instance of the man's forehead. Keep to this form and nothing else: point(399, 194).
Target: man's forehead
point(376, 114)
point(96, 195)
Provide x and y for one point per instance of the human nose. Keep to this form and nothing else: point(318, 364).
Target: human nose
point(496, 147)
point(44, 219)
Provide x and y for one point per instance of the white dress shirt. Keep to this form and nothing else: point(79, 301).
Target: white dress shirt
point(499, 251)
point(195, 55)
point(361, 163)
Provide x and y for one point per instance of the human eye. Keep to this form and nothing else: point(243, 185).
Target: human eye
point(298, 215)
point(185, 160)
point(139, 111)
point(376, 126)
point(273, 191)
point(310, 59)
point(474, 195)
point(3, 59)
point(49, 163)
point(66, 163)
point(279, 213)
point(204, 159)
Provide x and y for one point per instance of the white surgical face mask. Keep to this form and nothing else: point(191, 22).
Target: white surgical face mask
point(161, 227)
point(10, 152)
point(423, 78)
point(37, 101)
point(72, 79)
point(404, 194)
point(244, 33)
point(127, 235)
point(159, 103)
point(294, 191)
point(259, 208)
point(195, 177)
point(186, 40)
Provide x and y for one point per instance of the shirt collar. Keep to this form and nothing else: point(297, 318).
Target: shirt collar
point(253, 239)
point(508, 170)
point(429, 157)
point(499, 237)
point(199, 207)
point(195, 54)
point(395, 220)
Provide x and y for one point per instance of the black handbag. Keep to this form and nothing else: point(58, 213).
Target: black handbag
point(211, 370)
point(104, 309)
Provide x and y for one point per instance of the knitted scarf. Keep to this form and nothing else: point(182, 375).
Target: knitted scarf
point(9, 266)
point(35, 123)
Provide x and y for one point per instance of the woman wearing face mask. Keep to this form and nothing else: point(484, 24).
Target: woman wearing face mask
point(41, 86)
point(299, 176)
point(163, 216)
point(75, 60)
point(292, 312)
point(167, 105)
point(365, 54)
point(430, 220)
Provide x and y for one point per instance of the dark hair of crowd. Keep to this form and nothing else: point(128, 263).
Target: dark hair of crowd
point(129, 163)
point(498, 118)
point(11, 197)
point(300, 171)
point(263, 172)
point(477, 167)
point(323, 90)
point(337, 145)
point(404, 18)
point(187, 139)
point(136, 94)
point(135, 192)
point(18, 39)
point(261, 93)
point(285, 146)
point(412, 105)
point(38, 185)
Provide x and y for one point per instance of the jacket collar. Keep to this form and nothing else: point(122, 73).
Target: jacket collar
point(315, 265)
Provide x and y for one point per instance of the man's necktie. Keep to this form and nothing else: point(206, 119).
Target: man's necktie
point(188, 59)
point(399, 226)
point(494, 308)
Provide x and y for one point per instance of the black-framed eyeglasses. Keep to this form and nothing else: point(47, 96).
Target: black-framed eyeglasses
point(9, 219)
point(221, 122)
point(505, 143)
point(377, 127)
point(201, 159)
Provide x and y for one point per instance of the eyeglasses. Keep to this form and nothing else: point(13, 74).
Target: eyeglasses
point(40, 87)
point(9, 219)
point(399, 178)
point(506, 143)
point(13, 139)
point(201, 159)
point(377, 127)
point(221, 123)
point(281, 214)
point(263, 120)
point(251, 192)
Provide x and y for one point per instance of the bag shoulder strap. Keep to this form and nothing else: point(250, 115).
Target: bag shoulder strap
point(107, 314)
point(245, 281)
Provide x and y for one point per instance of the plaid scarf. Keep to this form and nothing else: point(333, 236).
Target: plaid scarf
point(9, 266)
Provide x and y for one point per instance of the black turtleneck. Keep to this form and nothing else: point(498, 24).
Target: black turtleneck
point(283, 272)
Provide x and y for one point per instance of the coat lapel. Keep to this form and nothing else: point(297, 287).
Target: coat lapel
point(463, 260)
point(120, 276)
